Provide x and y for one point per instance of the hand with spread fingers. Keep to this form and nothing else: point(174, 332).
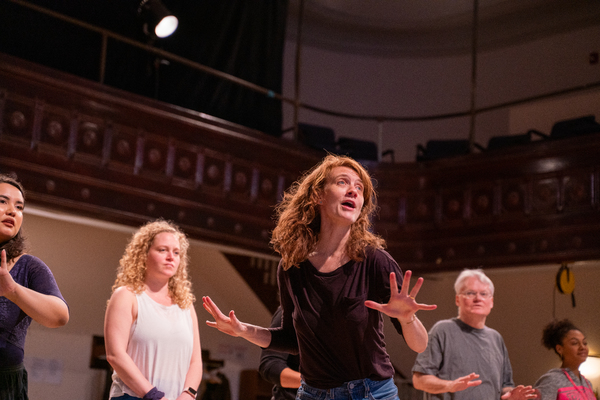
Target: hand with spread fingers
point(234, 327)
point(402, 305)
point(226, 324)
point(465, 382)
point(521, 393)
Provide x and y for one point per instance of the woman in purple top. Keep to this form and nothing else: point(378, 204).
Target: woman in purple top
point(27, 291)
point(335, 281)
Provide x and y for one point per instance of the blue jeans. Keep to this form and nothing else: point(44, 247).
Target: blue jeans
point(125, 397)
point(354, 390)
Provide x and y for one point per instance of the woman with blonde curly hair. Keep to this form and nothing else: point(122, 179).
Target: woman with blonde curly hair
point(151, 327)
point(335, 282)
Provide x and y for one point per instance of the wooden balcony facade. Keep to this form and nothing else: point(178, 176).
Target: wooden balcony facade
point(525, 205)
point(91, 150)
point(88, 149)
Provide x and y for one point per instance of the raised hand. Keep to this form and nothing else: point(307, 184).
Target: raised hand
point(401, 305)
point(232, 326)
point(7, 283)
point(226, 324)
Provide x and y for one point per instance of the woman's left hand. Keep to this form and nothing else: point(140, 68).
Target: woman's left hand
point(401, 305)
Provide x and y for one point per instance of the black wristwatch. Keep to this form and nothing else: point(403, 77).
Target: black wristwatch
point(192, 391)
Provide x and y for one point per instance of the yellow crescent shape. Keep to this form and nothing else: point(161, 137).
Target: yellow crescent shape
point(565, 281)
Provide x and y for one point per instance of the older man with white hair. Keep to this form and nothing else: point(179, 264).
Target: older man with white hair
point(465, 359)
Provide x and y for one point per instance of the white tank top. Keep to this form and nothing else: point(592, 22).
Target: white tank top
point(161, 341)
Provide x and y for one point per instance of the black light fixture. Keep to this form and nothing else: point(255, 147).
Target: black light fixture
point(158, 19)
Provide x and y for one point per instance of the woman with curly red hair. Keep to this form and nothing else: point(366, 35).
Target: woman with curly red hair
point(335, 282)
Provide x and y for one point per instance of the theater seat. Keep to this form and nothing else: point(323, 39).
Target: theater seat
point(317, 137)
point(575, 127)
point(500, 142)
point(358, 149)
point(436, 149)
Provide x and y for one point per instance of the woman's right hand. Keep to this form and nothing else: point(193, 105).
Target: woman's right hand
point(226, 324)
point(7, 283)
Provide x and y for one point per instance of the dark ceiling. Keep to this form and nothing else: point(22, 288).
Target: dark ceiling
point(434, 28)
point(377, 27)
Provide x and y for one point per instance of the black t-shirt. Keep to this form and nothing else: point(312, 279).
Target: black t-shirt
point(273, 362)
point(324, 318)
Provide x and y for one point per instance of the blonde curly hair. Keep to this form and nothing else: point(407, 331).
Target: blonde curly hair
point(132, 266)
point(299, 220)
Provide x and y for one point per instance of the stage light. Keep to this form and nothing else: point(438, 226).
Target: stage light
point(158, 19)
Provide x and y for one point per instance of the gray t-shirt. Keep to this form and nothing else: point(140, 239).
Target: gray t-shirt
point(554, 380)
point(456, 349)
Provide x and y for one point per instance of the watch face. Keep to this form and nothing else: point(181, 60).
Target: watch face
point(192, 391)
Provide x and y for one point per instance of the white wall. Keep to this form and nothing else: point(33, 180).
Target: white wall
point(367, 85)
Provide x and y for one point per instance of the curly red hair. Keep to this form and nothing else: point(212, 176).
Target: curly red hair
point(299, 220)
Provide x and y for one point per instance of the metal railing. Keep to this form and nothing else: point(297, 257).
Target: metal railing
point(296, 103)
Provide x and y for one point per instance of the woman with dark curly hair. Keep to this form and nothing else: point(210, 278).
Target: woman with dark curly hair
point(151, 327)
point(28, 291)
point(335, 282)
point(563, 383)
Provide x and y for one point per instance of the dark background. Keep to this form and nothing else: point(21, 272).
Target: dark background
point(239, 37)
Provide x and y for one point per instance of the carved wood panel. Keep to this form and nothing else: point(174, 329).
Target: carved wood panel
point(102, 153)
point(529, 205)
point(87, 149)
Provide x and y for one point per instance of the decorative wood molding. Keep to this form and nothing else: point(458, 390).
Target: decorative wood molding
point(524, 205)
point(88, 149)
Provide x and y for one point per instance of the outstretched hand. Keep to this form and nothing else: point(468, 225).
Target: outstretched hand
point(7, 283)
point(465, 382)
point(521, 393)
point(226, 324)
point(401, 305)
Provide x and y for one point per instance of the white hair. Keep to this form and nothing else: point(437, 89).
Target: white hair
point(472, 273)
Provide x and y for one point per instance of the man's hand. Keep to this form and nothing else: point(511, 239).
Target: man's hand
point(464, 382)
point(521, 393)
